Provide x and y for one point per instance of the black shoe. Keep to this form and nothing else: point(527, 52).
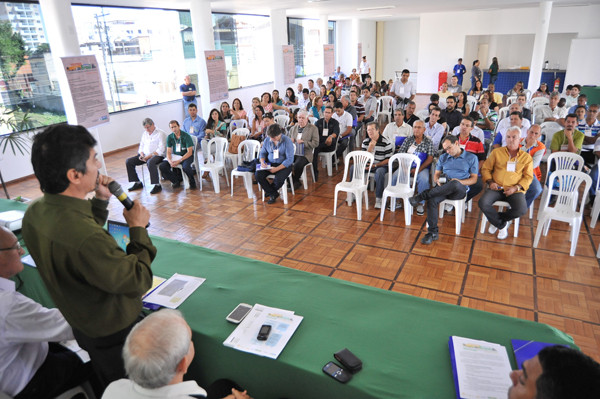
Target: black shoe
point(316, 176)
point(272, 199)
point(136, 186)
point(177, 185)
point(414, 201)
point(297, 185)
point(429, 238)
point(193, 184)
point(156, 189)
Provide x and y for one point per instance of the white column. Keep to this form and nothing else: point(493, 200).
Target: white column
point(539, 46)
point(354, 42)
point(204, 39)
point(280, 38)
point(323, 38)
point(62, 38)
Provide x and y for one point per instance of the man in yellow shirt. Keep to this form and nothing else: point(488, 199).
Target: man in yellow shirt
point(508, 172)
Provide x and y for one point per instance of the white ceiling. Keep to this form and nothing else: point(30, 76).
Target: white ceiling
point(345, 9)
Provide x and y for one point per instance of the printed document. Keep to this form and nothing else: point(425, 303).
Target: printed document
point(174, 291)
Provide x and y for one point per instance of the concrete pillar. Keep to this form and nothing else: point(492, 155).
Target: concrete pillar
point(204, 39)
point(63, 41)
point(280, 38)
point(539, 46)
point(354, 42)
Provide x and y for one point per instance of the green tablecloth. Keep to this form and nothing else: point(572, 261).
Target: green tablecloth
point(402, 340)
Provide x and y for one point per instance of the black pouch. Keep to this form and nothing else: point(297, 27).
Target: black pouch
point(348, 360)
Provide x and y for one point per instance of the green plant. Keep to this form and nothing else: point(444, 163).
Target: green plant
point(18, 138)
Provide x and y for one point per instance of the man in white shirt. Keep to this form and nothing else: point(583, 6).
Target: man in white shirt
point(403, 89)
point(365, 69)
point(151, 152)
point(28, 368)
point(370, 105)
point(515, 120)
point(506, 122)
point(572, 98)
point(397, 128)
point(303, 100)
point(551, 112)
point(346, 133)
point(433, 129)
point(156, 363)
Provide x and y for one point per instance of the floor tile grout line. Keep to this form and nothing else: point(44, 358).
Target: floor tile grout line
point(535, 290)
point(593, 323)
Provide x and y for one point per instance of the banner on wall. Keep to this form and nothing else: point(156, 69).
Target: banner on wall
point(359, 55)
point(328, 60)
point(289, 65)
point(86, 89)
point(217, 75)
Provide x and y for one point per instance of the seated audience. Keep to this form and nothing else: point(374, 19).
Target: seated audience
point(477, 90)
point(237, 111)
point(268, 120)
point(258, 123)
point(215, 127)
point(569, 139)
point(359, 107)
point(180, 151)
point(571, 99)
point(318, 108)
point(329, 130)
point(409, 116)
point(551, 112)
point(29, 366)
point(460, 168)
point(370, 104)
point(344, 120)
point(522, 101)
point(581, 102)
point(516, 90)
point(506, 122)
point(557, 372)
point(278, 152)
point(515, 120)
point(349, 108)
point(590, 127)
point(491, 101)
point(193, 124)
point(508, 173)
point(542, 91)
point(290, 97)
point(451, 115)
point(226, 112)
point(304, 100)
point(252, 115)
point(536, 149)
point(580, 112)
point(151, 152)
point(266, 101)
point(487, 117)
point(433, 129)
point(454, 87)
point(462, 104)
point(306, 138)
point(397, 128)
point(497, 97)
point(277, 102)
point(444, 92)
point(469, 142)
point(157, 362)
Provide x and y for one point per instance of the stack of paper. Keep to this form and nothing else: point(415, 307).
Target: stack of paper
point(481, 369)
point(171, 293)
point(283, 324)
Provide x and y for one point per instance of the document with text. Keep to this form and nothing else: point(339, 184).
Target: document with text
point(171, 293)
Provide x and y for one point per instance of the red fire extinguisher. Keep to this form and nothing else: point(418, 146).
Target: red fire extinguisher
point(556, 84)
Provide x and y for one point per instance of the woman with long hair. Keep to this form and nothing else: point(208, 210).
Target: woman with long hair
point(542, 91)
point(216, 126)
point(258, 123)
point(237, 109)
point(462, 104)
point(476, 90)
point(318, 108)
point(493, 71)
point(226, 112)
point(266, 101)
point(290, 97)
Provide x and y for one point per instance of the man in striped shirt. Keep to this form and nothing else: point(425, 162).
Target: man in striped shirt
point(382, 149)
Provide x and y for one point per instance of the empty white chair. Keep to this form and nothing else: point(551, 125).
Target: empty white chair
point(565, 207)
point(501, 205)
point(357, 185)
point(405, 184)
point(558, 161)
point(232, 158)
point(459, 211)
point(595, 207)
point(422, 114)
point(548, 130)
point(313, 120)
point(247, 151)
point(237, 123)
point(472, 101)
point(539, 101)
point(503, 113)
point(385, 107)
point(278, 112)
point(511, 100)
point(328, 157)
point(282, 120)
point(216, 165)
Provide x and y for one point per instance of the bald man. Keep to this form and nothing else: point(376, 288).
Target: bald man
point(29, 367)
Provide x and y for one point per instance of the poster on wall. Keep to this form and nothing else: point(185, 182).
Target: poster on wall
point(328, 60)
point(217, 75)
point(289, 66)
point(86, 89)
point(359, 55)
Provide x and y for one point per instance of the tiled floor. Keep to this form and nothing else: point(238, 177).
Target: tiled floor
point(473, 270)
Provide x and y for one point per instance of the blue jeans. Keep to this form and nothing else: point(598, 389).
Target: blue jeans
point(380, 180)
point(422, 181)
point(534, 191)
point(594, 176)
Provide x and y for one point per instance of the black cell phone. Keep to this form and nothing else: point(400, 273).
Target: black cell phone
point(337, 373)
point(263, 334)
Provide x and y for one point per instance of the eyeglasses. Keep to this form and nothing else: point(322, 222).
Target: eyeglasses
point(17, 246)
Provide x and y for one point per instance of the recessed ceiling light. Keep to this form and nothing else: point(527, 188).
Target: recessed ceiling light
point(376, 8)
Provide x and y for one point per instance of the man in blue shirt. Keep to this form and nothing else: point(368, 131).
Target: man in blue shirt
point(278, 152)
point(188, 92)
point(460, 169)
point(459, 70)
point(193, 124)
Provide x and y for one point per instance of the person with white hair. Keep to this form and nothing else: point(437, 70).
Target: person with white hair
point(157, 354)
point(306, 138)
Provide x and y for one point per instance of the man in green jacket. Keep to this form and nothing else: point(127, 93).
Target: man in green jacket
point(93, 282)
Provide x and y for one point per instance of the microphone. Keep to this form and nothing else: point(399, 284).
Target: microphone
point(116, 189)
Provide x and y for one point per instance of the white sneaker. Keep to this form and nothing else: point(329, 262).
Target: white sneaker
point(377, 203)
point(448, 208)
point(492, 229)
point(398, 205)
point(420, 210)
point(503, 233)
point(350, 199)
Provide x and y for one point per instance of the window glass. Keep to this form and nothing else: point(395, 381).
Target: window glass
point(308, 52)
point(29, 92)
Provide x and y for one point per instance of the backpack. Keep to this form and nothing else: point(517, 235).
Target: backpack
point(236, 139)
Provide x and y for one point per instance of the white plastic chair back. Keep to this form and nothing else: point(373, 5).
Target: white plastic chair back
point(359, 173)
point(238, 123)
point(565, 161)
point(503, 113)
point(472, 101)
point(313, 120)
point(422, 114)
point(282, 120)
point(248, 150)
point(385, 107)
point(280, 112)
point(537, 101)
point(241, 131)
point(405, 163)
point(511, 100)
point(221, 144)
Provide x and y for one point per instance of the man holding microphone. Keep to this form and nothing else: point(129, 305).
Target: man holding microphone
point(95, 284)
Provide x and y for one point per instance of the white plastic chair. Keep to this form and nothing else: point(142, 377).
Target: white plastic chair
point(385, 107)
point(422, 114)
point(312, 120)
point(357, 185)
point(232, 158)
point(186, 180)
point(501, 205)
point(327, 158)
point(247, 151)
point(282, 120)
point(511, 100)
point(503, 113)
point(405, 184)
point(459, 211)
point(217, 165)
point(282, 191)
point(563, 161)
point(278, 112)
point(565, 208)
point(539, 101)
point(548, 130)
point(472, 101)
point(309, 167)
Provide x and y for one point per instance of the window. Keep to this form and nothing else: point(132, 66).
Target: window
point(247, 44)
point(30, 97)
point(140, 53)
point(308, 52)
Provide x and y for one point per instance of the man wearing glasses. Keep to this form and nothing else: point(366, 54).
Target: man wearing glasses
point(29, 367)
point(455, 177)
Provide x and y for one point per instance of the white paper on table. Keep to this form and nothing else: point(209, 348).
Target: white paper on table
point(482, 369)
point(283, 325)
point(28, 260)
point(174, 291)
point(74, 347)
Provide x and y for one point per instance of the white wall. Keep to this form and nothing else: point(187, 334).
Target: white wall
point(589, 68)
point(346, 53)
point(437, 53)
point(400, 46)
point(368, 37)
